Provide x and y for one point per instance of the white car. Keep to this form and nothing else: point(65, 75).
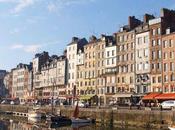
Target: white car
point(80, 104)
point(168, 104)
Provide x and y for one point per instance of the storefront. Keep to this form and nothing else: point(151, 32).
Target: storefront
point(150, 99)
point(165, 96)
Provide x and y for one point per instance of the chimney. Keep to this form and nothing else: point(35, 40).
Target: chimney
point(147, 17)
point(133, 22)
point(92, 38)
point(74, 39)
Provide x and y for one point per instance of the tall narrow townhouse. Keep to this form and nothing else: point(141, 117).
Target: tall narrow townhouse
point(89, 67)
point(8, 84)
point(2, 86)
point(20, 78)
point(72, 50)
point(125, 39)
point(53, 79)
point(110, 69)
point(81, 89)
point(37, 62)
point(100, 68)
point(142, 56)
point(168, 61)
point(158, 27)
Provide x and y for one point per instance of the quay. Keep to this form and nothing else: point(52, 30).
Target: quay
point(107, 116)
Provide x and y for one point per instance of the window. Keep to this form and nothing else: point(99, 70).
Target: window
point(171, 54)
point(146, 39)
point(165, 67)
point(146, 65)
point(118, 79)
point(153, 42)
point(140, 66)
point(159, 42)
point(153, 66)
point(153, 32)
point(158, 31)
point(166, 78)
point(154, 80)
point(108, 52)
point(165, 44)
point(153, 54)
point(113, 52)
point(165, 55)
point(108, 62)
point(172, 77)
point(159, 79)
point(132, 45)
point(139, 40)
point(123, 80)
point(171, 66)
point(158, 54)
point(131, 79)
point(170, 43)
point(146, 52)
point(112, 60)
point(138, 54)
point(159, 66)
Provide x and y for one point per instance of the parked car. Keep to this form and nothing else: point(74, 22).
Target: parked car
point(80, 104)
point(168, 104)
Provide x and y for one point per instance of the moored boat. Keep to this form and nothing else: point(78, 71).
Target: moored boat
point(171, 128)
point(81, 120)
point(75, 119)
point(60, 119)
point(34, 114)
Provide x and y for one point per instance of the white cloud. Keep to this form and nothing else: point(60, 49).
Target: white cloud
point(22, 4)
point(26, 48)
point(32, 48)
point(17, 46)
point(58, 4)
point(19, 4)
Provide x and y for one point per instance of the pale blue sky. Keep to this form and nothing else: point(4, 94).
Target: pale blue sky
point(30, 26)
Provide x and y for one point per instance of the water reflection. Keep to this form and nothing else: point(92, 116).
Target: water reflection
point(28, 124)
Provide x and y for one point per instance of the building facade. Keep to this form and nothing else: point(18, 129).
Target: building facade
point(142, 55)
point(8, 84)
point(72, 50)
point(2, 86)
point(20, 81)
point(168, 61)
point(158, 27)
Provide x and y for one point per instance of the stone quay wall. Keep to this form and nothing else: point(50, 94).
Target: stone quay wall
point(109, 117)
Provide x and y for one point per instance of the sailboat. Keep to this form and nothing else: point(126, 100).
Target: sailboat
point(76, 119)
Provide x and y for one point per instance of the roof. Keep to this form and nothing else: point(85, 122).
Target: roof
point(166, 96)
point(151, 96)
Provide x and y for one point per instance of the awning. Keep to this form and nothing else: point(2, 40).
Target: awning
point(86, 97)
point(151, 96)
point(122, 95)
point(166, 96)
point(71, 97)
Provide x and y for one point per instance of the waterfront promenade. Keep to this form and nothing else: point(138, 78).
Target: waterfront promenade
point(144, 117)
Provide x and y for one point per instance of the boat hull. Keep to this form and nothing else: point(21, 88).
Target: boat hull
point(60, 119)
point(78, 120)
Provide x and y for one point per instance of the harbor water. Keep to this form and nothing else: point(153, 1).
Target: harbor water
point(8, 122)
